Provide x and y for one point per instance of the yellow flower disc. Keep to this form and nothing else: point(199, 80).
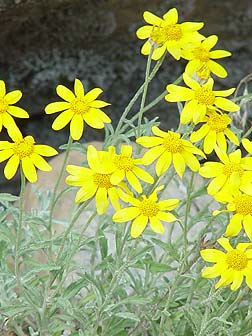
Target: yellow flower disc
point(236, 260)
point(102, 180)
point(243, 204)
point(205, 96)
point(149, 208)
point(25, 147)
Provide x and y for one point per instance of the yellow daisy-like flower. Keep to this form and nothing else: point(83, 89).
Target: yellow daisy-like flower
point(199, 98)
point(95, 180)
point(233, 173)
point(77, 108)
point(241, 205)
point(201, 59)
point(214, 131)
point(146, 209)
point(168, 147)
point(126, 166)
point(7, 110)
point(24, 151)
point(167, 34)
point(231, 266)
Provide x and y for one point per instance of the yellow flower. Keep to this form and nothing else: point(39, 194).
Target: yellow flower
point(24, 151)
point(241, 205)
point(201, 59)
point(7, 110)
point(231, 266)
point(126, 166)
point(77, 108)
point(214, 130)
point(200, 98)
point(146, 209)
point(95, 180)
point(233, 173)
point(169, 148)
point(167, 34)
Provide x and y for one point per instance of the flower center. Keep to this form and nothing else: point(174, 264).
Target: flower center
point(3, 105)
point(160, 35)
point(205, 96)
point(173, 143)
point(218, 122)
point(24, 148)
point(243, 204)
point(124, 162)
point(201, 54)
point(149, 208)
point(79, 106)
point(236, 260)
point(230, 168)
point(102, 180)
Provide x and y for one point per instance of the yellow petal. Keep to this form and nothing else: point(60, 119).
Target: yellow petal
point(217, 69)
point(143, 175)
point(2, 89)
point(247, 224)
point(76, 127)
point(169, 204)
point(191, 82)
point(85, 193)
point(152, 154)
point(171, 17)
point(45, 150)
point(93, 94)
point(149, 141)
point(189, 110)
point(211, 169)
point(156, 225)
point(18, 112)
point(101, 200)
point(146, 48)
point(166, 216)
point(209, 142)
point(13, 97)
point(158, 52)
point(212, 255)
point(247, 144)
point(6, 153)
point(65, 93)
point(178, 93)
point(179, 164)
point(221, 141)
point(138, 225)
point(237, 281)
point(191, 161)
point(11, 167)
point(224, 93)
point(200, 133)
point(224, 242)
point(40, 162)
point(133, 181)
point(234, 226)
point(29, 169)
point(78, 88)
point(126, 214)
point(98, 104)
point(56, 107)
point(209, 42)
point(216, 184)
point(114, 198)
point(163, 163)
point(152, 18)
point(215, 54)
point(144, 32)
point(226, 105)
point(62, 120)
point(117, 176)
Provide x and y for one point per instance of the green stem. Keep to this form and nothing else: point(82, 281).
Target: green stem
point(187, 210)
point(119, 129)
point(19, 228)
point(54, 195)
point(146, 84)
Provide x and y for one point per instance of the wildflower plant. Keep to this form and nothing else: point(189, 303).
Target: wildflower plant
point(135, 240)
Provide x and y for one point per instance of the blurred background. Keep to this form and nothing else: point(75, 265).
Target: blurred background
point(49, 42)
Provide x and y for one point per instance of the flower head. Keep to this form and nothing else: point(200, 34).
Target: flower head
point(7, 110)
point(214, 131)
point(201, 58)
point(231, 266)
point(77, 108)
point(24, 151)
point(127, 166)
point(146, 209)
point(168, 147)
point(95, 180)
point(233, 173)
point(240, 205)
point(167, 34)
point(199, 98)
